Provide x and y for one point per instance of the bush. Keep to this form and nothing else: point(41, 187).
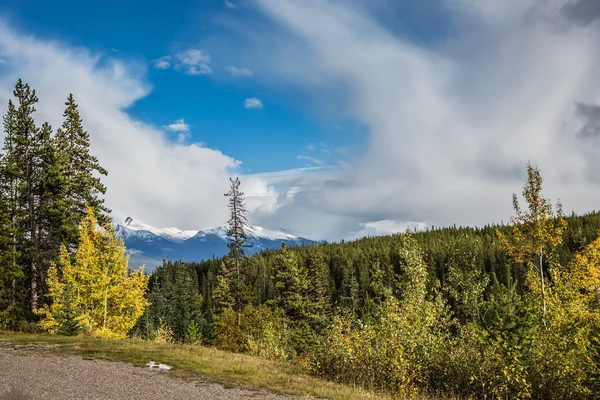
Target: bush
point(259, 332)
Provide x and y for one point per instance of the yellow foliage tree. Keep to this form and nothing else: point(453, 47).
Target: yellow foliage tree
point(536, 233)
point(107, 300)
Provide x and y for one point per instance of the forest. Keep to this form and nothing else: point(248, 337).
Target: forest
point(500, 311)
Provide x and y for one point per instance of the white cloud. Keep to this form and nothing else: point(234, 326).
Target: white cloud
point(230, 5)
point(310, 147)
point(193, 57)
point(312, 160)
point(451, 126)
point(239, 72)
point(161, 182)
point(201, 69)
point(163, 62)
point(253, 103)
point(386, 227)
point(182, 137)
point(190, 61)
point(194, 61)
point(178, 126)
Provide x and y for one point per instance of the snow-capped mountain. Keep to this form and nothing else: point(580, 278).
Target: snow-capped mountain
point(149, 245)
point(132, 227)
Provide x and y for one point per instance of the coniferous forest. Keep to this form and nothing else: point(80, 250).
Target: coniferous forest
point(506, 311)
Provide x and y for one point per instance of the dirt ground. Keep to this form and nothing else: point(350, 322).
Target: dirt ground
point(33, 372)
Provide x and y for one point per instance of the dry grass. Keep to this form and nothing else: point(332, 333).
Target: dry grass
point(199, 362)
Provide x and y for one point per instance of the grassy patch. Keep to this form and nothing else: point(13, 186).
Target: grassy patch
point(198, 362)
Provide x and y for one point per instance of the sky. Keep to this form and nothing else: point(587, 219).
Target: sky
point(342, 118)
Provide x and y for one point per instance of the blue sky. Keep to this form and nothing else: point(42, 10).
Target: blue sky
point(342, 117)
point(212, 105)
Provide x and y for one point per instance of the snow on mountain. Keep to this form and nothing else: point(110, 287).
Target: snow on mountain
point(251, 231)
point(149, 245)
point(131, 225)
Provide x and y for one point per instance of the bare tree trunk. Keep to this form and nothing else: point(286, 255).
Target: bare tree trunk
point(105, 306)
point(14, 293)
point(543, 286)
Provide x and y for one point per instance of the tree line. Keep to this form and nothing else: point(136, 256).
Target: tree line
point(502, 311)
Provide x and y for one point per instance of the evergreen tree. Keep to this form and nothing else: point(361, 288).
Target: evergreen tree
point(80, 170)
point(318, 289)
point(509, 319)
point(291, 284)
point(237, 241)
point(67, 316)
point(21, 174)
point(222, 296)
point(11, 271)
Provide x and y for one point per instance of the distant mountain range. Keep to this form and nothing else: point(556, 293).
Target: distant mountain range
point(149, 246)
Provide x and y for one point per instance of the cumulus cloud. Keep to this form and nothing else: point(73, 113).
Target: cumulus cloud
point(253, 103)
point(178, 126)
point(190, 61)
point(161, 182)
point(451, 125)
point(162, 63)
point(239, 72)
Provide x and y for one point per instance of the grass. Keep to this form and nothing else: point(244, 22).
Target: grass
point(199, 362)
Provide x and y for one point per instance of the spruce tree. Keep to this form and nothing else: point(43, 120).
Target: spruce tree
point(21, 174)
point(318, 289)
point(12, 272)
point(237, 242)
point(81, 171)
point(291, 284)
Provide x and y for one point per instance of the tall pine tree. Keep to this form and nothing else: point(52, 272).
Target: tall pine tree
point(237, 237)
point(21, 175)
point(82, 173)
point(11, 270)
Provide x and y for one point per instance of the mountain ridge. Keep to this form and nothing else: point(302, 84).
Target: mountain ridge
point(148, 245)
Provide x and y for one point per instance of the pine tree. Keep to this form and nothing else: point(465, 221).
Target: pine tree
point(51, 204)
point(80, 169)
point(536, 233)
point(222, 297)
point(509, 318)
point(291, 284)
point(12, 272)
point(237, 242)
point(318, 289)
point(67, 316)
point(21, 174)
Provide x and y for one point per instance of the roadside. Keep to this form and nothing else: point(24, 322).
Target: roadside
point(35, 372)
point(42, 366)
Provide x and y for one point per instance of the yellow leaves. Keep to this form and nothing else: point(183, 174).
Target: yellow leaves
point(107, 299)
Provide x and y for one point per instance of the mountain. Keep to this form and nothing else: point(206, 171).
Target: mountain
point(148, 245)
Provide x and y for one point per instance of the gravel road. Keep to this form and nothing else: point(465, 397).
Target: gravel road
point(33, 372)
